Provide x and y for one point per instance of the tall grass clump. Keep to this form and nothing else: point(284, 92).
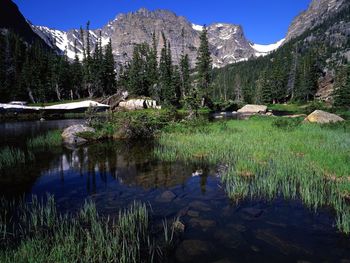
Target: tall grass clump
point(50, 139)
point(10, 157)
point(269, 157)
point(37, 232)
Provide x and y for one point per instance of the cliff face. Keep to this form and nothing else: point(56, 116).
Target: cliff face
point(317, 12)
point(227, 41)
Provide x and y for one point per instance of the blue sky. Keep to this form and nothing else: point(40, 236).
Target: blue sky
point(264, 21)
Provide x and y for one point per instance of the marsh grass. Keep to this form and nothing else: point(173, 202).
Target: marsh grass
point(309, 162)
point(50, 139)
point(10, 157)
point(37, 232)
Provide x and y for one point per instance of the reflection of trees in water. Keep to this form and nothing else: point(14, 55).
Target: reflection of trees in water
point(129, 164)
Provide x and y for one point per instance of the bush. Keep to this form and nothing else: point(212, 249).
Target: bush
point(287, 124)
point(138, 124)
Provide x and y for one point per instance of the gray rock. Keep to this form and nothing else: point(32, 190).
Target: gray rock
point(319, 116)
point(139, 104)
point(254, 109)
point(70, 136)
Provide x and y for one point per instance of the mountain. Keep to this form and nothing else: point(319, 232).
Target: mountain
point(228, 43)
point(304, 68)
point(318, 11)
point(12, 19)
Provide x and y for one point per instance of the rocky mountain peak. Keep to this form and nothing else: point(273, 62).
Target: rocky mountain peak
point(317, 12)
point(228, 43)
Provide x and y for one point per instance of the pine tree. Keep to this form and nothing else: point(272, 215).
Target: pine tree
point(185, 75)
point(204, 64)
point(109, 74)
point(152, 67)
point(165, 73)
point(342, 87)
point(77, 74)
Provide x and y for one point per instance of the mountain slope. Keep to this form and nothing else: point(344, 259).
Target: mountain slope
point(228, 43)
point(12, 19)
point(318, 11)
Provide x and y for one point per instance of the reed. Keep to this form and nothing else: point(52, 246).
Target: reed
point(37, 232)
point(10, 157)
point(306, 161)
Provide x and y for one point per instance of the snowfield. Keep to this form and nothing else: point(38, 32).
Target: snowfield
point(66, 106)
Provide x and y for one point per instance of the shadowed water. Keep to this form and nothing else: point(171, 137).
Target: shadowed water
point(114, 174)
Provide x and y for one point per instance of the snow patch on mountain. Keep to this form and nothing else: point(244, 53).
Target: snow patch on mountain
point(197, 27)
point(263, 50)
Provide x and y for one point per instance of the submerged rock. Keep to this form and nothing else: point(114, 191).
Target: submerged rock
point(189, 250)
point(319, 116)
point(166, 197)
point(203, 223)
point(70, 134)
point(252, 212)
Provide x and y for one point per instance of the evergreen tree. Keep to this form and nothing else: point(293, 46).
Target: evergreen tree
point(185, 75)
point(77, 74)
point(342, 87)
point(152, 67)
point(109, 74)
point(204, 64)
point(165, 73)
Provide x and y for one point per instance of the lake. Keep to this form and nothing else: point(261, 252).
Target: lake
point(113, 174)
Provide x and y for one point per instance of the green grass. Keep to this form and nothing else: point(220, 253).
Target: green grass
point(307, 161)
point(10, 157)
point(37, 232)
point(50, 139)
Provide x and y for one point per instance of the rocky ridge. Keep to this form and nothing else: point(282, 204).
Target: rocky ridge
point(228, 43)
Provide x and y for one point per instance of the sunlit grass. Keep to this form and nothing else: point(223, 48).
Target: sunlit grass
point(309, 162)
point(50, 139)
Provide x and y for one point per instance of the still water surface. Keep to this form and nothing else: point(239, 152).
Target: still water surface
point(114, 174)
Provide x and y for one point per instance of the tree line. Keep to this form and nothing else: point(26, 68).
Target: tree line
point(34, 73)
point(292, 72)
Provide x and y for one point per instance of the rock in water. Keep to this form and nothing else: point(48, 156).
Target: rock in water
point(192, 249)
point(70, 136)
point(253, 109)
point(319, 116)
point(166, 197)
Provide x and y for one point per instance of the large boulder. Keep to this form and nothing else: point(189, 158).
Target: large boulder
point(139, 104)
point(253, 109)
point(319, 116)
point(70, 134)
